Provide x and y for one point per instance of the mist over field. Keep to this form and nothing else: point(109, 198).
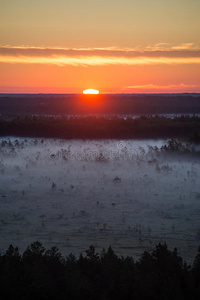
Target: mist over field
point(128, 194)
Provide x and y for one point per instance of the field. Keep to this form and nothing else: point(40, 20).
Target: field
point(75, 193)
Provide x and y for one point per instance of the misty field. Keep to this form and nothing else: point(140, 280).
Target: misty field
point(76, 193)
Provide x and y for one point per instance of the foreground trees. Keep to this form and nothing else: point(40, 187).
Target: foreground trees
point(45, 274)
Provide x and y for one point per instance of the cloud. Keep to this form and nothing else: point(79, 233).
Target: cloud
point(99, 56)
point(185, 46)
point(160, 87)
point(169, 47)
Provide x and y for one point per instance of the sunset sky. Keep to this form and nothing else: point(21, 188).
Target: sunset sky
point(115, 46)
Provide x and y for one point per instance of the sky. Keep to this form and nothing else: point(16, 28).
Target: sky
point(115, 46)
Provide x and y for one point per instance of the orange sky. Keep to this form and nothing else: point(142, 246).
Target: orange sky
point(114, 46)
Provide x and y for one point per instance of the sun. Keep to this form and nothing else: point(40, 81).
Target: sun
point(90, 92)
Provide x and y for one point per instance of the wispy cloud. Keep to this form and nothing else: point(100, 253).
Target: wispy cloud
point(182, 54)
point(160, 87)
point(170, 47)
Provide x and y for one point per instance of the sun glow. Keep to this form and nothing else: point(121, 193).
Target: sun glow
point(90, 92)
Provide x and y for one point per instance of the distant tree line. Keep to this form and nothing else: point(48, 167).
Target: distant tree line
point(93, 127)
point(46, 274)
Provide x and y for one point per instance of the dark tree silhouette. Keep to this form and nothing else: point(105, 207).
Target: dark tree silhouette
point(45, 274)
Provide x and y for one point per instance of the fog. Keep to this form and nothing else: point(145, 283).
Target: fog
point(73, 194)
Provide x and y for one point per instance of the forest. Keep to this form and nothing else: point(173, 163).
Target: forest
point(94, 127)
point(41, 273)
